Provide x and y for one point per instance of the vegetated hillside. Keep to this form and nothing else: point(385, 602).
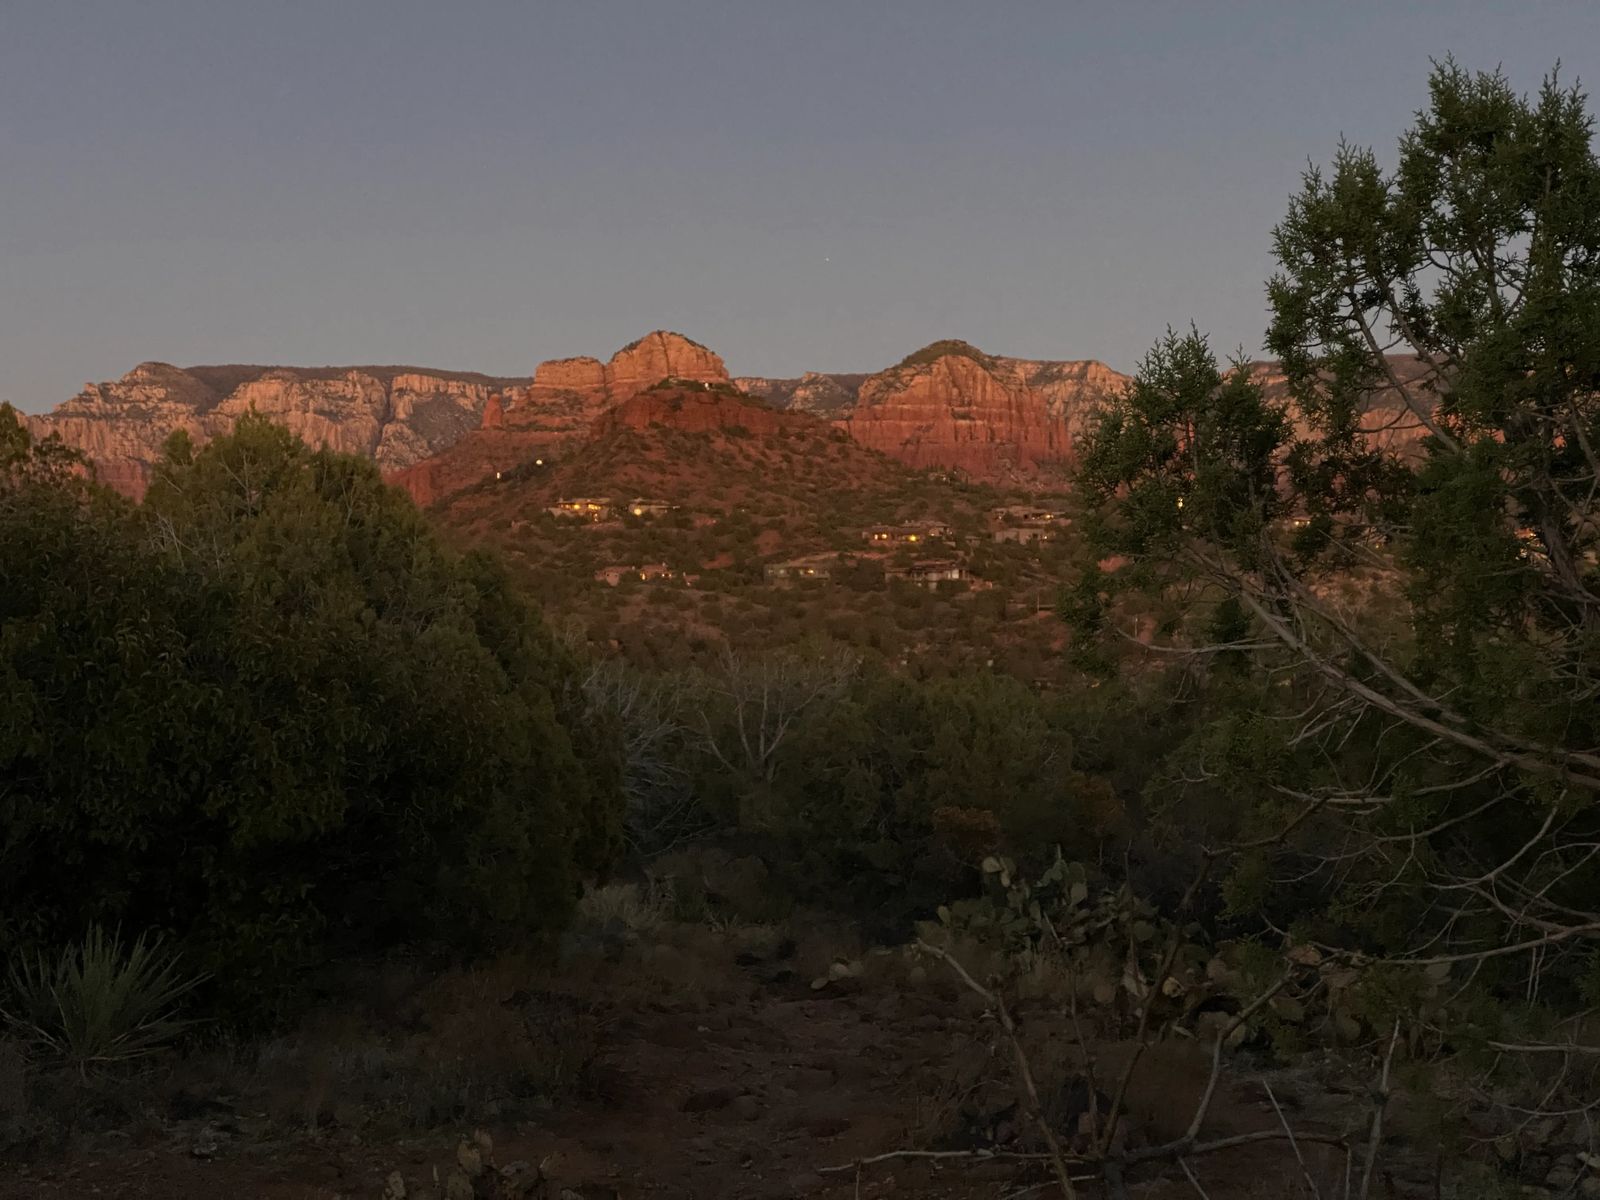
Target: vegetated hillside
point(705, 494)
point(829, 394)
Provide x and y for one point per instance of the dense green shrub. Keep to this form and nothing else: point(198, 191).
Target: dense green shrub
point(267, 711)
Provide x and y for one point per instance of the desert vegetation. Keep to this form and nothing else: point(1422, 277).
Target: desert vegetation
point(1241, 843)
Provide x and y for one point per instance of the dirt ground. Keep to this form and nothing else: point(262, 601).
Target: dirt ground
point(744, 1091)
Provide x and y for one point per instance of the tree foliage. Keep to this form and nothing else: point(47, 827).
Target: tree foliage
point(874, 788)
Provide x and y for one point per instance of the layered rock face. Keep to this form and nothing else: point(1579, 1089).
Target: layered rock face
point(1071, 390)
point(948, 406)
point(658, 356)
point(120, 426)
point(998, 419)
point(395, 415)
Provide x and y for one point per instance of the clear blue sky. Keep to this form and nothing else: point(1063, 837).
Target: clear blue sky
point(823, 184)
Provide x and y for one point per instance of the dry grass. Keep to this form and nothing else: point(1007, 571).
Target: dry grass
point(481, 1043)
point(627, 906)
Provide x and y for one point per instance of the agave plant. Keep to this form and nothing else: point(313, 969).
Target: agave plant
point(100, 1003)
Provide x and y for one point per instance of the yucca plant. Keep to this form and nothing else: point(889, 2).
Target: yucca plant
point(101, 1003)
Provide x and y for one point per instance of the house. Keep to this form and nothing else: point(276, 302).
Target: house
point(881, 535)
point(647, 573)
point(583, 508)
point(931, 572)
point(649, 508)
point(800, 570)
point(1022, 535)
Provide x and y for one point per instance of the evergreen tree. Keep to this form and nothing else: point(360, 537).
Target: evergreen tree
point(1439, 329)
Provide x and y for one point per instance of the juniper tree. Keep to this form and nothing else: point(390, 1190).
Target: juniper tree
point(1432, 756)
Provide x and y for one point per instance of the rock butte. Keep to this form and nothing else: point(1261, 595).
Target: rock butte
point(997, 419)
point(558, 406)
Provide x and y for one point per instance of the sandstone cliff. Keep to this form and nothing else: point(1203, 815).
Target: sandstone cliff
point(952, 406)
point(395, 415)
point(1001, 419)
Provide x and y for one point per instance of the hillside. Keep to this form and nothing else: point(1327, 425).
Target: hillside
point(691, 518)
point(826, 395)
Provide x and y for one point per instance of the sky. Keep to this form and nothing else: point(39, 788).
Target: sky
point(799, 184)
